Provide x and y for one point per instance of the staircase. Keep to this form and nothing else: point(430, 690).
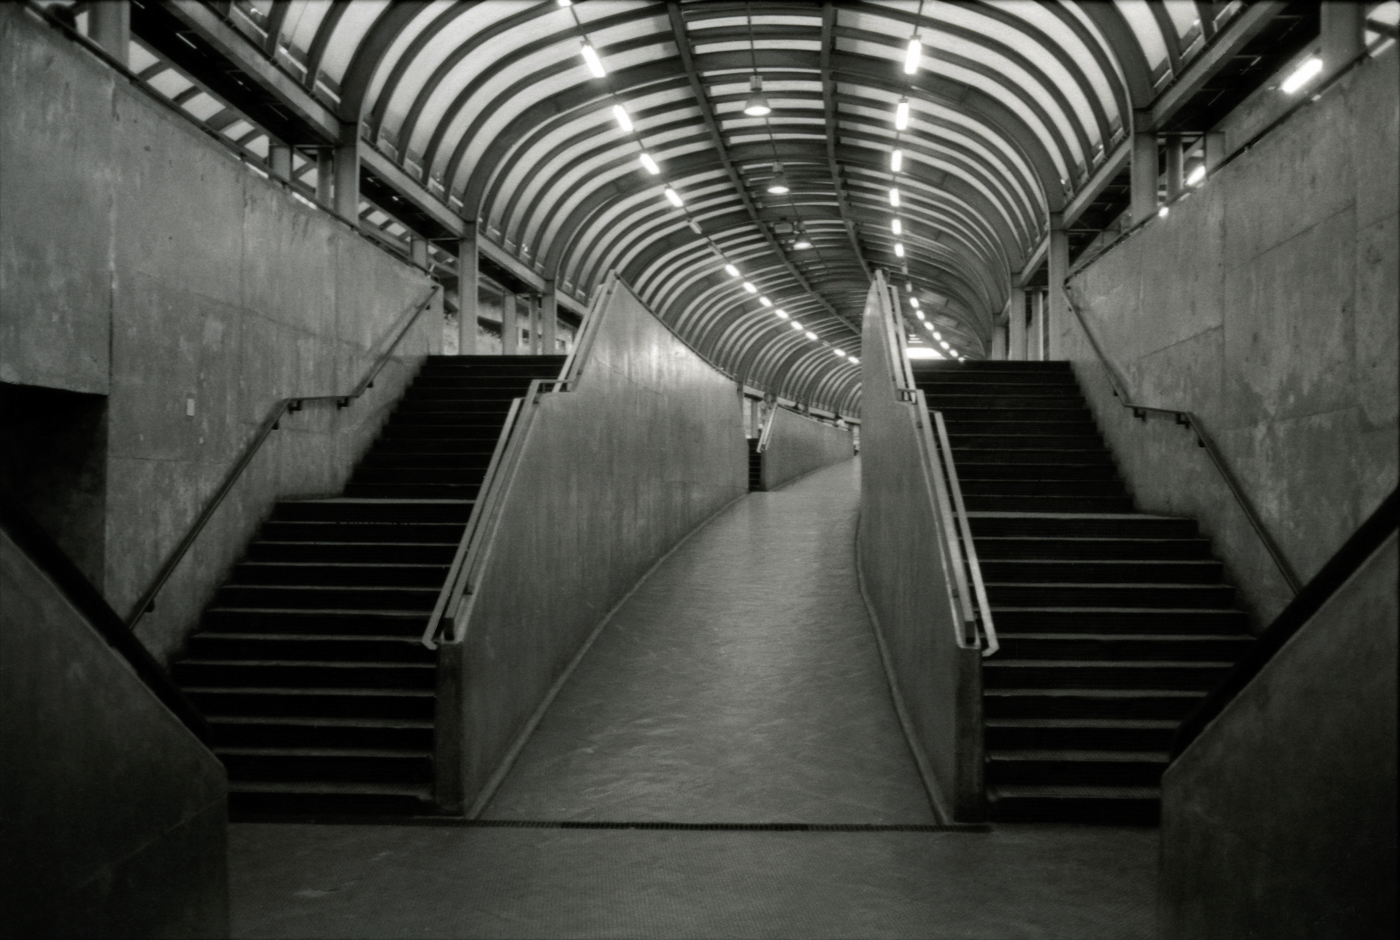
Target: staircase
point(307, 663)
point(755, 466)
point(1113, 623)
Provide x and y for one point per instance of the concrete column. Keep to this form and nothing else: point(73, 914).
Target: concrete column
point(1016, 325)
point(325, 177)
point(418, 251)
point(109, 25)
point(1343, 35)
point(347, 174)
point(468, 283)
point(279, 160)
point(1035, 345)
point(1175, 181)
point(510, 324)
point(1058, 261)
point(999, 340)
point(549, 312)
point(1214, 148)
point(1143, 169)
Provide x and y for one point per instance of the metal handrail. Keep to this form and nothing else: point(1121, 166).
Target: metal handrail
point(453, 604)
point(961, 554)
point(147, 601)
point(766, 435)
point(1193, 423)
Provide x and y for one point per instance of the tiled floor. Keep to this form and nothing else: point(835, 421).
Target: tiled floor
point(739, 684)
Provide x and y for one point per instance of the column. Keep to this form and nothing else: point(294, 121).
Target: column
point(1035, 347)
point(1143, 168)
point(1016, 340)
point(109, 25)
point(347, 175)
point(279, 160)
point(510, 324)
point(325, 177)
point(549, 312)
point(1175, 182)
point(1343, 35)
point(1058, 306)
point(468, 280)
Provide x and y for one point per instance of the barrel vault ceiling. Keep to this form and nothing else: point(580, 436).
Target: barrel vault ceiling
point(494, 109)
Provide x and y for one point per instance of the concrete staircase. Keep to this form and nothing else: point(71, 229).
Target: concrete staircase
point(755, 466)
point(1113, 623)
point(307, 663)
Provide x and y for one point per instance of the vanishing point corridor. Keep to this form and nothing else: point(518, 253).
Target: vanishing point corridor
point(737, 693)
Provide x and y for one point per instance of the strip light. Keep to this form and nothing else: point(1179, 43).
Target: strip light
point(731, 270)
point(896, 160)
point(623, 118)
point(901, 114)
point(897, 226)
point(912, 55)
point(894, 197)
point(675, 197)
point(812, 336)
point(765, 301)
point(782, 314)
point(1198, 174)
point(750, 288)
point(650, 164)
point(899, 249)
point(595, 64)
point(1301, 75)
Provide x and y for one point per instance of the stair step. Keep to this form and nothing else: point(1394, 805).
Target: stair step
point(341, 574)
point(1162, 595)
point(1194, 675)
point(326, 597)
point(327, 798)
point(1140, 806)
point(1077, 768)
point(995, 502)
point(1080, 525)
point(274, 674)
point(329, 530)
point(383, 734)
point(997, 452)
point(309, 647)
point(1160, 704)
point(407, 457)
point(218, 701)
point(970, 470)
point(1126, 571)
point(355, 553)
point(1087, 549)
point(350, 509)
point(1087, 734)
point(1116, 620)
point(1099, 647)
point(350, 765)
point(399, 623)
point(1102, 488)
point(438, 476)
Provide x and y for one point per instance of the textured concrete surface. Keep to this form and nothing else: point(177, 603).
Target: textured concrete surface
point(144, 262)
point(901, 559)
point(1265, 303)
point(380, 881)
point(113, 816)
point(739, 684)
point(646, 446)
point(799, 445)
point(1279, 820)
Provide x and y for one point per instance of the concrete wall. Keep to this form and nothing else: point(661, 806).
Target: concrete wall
point(1266, 303)
point(936, 684)
point(113, 816)
point(614, 473)
point(143, 262)
point(797, 445)
point(1279, 820)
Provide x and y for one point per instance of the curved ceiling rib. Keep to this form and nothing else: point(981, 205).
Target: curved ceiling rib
point(491, 106)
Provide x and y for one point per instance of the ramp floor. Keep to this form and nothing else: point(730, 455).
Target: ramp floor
point(739, 685)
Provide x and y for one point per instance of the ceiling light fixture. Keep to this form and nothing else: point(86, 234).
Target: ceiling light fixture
point(731, 270)
point(912, 55)
point(1302, 75)
point(919, 314)
point(894, 197)
point(623, 119)
point(899, 249)
point(901, 114)
point(765, 301)
point(896, 160)
point(782, 314)
point(812, 336)
point(650, 164)
point(796, 326)
point(675, 197)
point(1163, 212)
point(1198, 174)
point(595, 64)
point(779, 186)
point(802, 243)
point(854, 360)
point(897, 226)
point(839, 354)
point(914, 302)
point(757, 105)
point(750, 288)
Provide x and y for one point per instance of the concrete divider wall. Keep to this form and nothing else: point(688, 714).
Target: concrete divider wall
point(113, 816)
point(142, 261)
point(615, 472)
point(1279, 819)
point(1266, 304)
point(797, 445)
point(936, 683)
